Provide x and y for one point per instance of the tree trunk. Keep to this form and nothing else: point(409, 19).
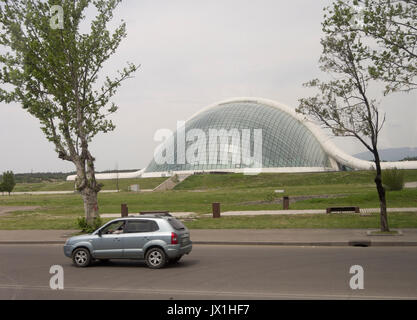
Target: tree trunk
point(90, 205)
point(381, 194)
point(87, 185)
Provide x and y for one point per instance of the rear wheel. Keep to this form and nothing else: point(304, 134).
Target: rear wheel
point(81, 257)
point(155, 258)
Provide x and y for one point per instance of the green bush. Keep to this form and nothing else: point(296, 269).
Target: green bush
point(270, 196)
point(86, 228)
point(8, 182)
point(393, 179)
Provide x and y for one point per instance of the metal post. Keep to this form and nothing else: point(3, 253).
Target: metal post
point(286, 203)
point(216, 210)
point(125, 210)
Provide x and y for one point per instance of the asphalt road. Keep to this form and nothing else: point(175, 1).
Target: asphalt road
point(216, 272)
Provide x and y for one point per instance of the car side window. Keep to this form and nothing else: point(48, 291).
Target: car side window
point(116, 227)
point(137, 226)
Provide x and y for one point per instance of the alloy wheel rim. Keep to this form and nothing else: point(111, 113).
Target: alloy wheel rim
point(155, 258)
point(81, 257)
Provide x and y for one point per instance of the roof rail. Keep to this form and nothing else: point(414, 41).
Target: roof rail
point(156, 213)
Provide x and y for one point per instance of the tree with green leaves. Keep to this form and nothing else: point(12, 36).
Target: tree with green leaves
point(344, 104)
point(53, 69)
point(391, 26)
point(8, 182)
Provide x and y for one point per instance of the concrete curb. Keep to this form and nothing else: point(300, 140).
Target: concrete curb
point(13, 242)
point(274, 243)
point(353, 243)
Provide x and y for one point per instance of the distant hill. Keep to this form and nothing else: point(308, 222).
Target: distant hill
point(391, 154)
point(35, 177)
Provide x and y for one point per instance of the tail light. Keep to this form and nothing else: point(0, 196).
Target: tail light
point(174, 238)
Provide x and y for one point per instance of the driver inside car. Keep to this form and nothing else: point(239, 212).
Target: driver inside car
point(118, 230)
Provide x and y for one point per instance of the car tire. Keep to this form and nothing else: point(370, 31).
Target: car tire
point(81, 257)
point(155, 258)
point(175, 260)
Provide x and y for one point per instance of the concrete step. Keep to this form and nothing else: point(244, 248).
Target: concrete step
point(170, 183)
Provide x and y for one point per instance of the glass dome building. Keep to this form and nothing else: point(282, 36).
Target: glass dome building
point(226, 136)
point(249, 135)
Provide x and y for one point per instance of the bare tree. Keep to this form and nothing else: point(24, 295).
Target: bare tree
point(344, 104)
point(392, 26)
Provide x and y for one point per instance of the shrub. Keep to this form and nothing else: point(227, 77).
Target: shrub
point(393, 179)
point(270, 196)
point(86, 228)
point(8, 182)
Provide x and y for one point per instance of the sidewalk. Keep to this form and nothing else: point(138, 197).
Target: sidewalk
point(34, 193)
point(278, 237)
point(307, 211)
point(181, 215)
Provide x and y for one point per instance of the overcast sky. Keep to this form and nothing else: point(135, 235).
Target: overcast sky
point(195, 53)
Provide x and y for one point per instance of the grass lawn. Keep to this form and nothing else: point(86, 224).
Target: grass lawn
point(26, 221)
point(319, 221)
point(240, 181)
point(200, 202)
point(235, 192)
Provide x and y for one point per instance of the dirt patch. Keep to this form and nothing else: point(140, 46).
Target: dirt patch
point(294, 199)
point(8, 209)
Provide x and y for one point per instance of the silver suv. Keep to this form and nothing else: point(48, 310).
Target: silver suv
point(156, 239)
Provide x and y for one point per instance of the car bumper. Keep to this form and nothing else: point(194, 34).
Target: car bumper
point(68, 250)
point(174, 252)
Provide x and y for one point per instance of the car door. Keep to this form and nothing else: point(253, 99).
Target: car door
point(137, 234)
point(110, 244)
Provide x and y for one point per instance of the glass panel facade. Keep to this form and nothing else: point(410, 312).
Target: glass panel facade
point(285, 141)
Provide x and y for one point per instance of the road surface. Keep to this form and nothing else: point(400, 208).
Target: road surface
point(216, 272)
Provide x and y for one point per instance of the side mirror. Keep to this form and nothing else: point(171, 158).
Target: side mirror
point(99, 233)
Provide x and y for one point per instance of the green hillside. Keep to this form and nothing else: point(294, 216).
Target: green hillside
point(273, 180)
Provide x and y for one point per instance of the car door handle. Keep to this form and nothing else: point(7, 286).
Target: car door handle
point(116, 239)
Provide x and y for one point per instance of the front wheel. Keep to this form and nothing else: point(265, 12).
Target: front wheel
point(155, 258)
point(81, 257)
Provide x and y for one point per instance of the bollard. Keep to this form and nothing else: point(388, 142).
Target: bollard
point(124, 210)
point(286, 203)
point(216, 210)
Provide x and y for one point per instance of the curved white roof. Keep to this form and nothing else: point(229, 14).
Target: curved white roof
point(334, 152)
point(325, 141)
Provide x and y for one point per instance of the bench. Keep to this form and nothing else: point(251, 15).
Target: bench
point(342, 209)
